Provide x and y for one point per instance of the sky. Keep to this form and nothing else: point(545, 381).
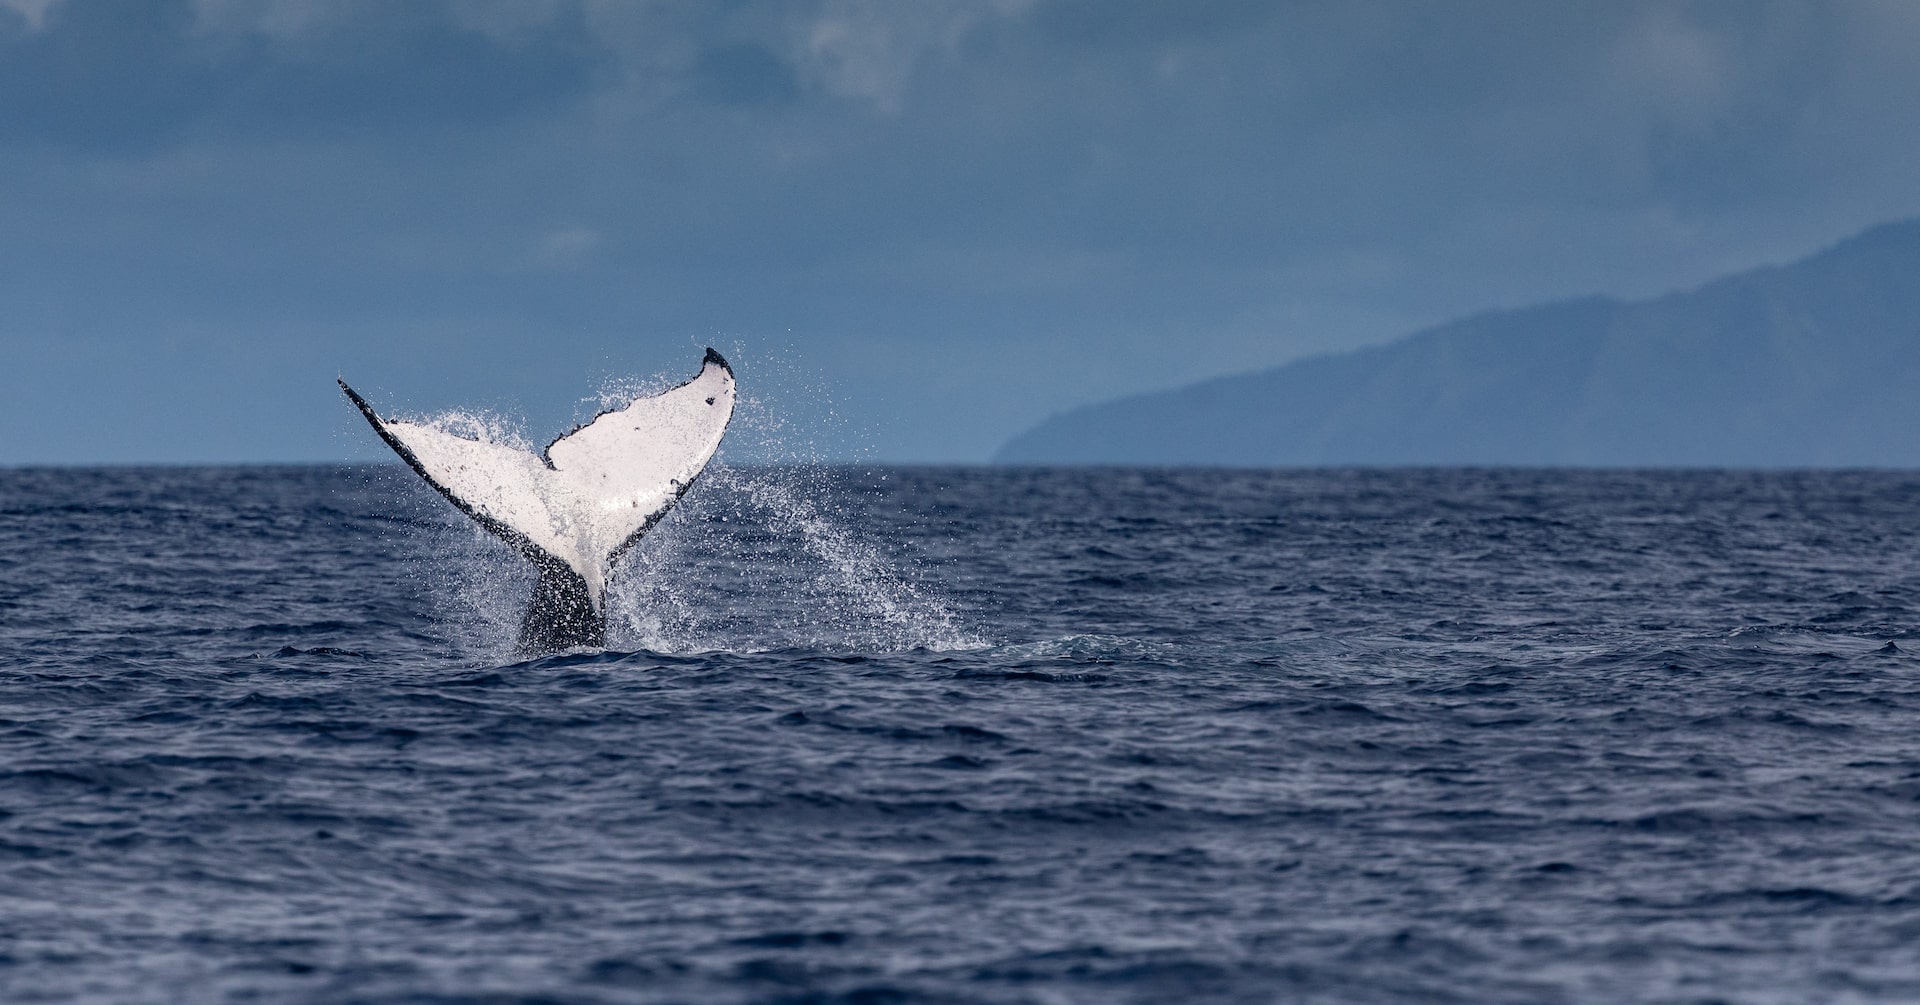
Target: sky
point(917, 228)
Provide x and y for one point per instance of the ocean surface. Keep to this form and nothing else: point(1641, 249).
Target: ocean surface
point(874, 735)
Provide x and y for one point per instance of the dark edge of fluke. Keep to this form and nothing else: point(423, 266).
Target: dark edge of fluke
point(680, 489)
point(709, 359)
point(561, 614)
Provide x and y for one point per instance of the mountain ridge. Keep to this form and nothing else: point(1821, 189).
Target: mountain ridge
point(1812, 363)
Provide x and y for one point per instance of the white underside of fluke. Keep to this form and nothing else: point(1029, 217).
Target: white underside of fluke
point(599, 487)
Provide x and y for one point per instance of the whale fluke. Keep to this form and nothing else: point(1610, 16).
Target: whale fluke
point(578, 506)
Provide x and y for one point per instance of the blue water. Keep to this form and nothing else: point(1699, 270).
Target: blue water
point(930, 735)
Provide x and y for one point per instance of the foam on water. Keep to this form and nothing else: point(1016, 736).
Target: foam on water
point(471, 583)
point(754, 559)
point(1089, 648)
point(1340, 737)
point(766, 540)
point(770, 535)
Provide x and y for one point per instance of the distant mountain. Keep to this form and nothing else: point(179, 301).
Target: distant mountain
point(1816, 363)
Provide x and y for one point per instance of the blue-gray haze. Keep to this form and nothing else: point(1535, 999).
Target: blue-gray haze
point(919, 228)
point(1812, 364)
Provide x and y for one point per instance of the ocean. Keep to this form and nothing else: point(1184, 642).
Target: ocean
point(945, 735)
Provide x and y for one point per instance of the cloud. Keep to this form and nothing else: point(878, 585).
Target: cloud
point(870, 51)
point(566, 247)
point(138, 75)
point(973, 208)
point(744, 73)
point(32, 13)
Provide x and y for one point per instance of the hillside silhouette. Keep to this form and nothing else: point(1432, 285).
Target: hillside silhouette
point(1814, 363)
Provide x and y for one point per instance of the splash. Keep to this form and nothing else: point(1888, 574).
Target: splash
point(770, 558)
point(474, 589)
point(487, 426)
point(754, 559)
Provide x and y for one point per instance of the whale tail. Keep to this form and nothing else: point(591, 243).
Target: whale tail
point(575, 508)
